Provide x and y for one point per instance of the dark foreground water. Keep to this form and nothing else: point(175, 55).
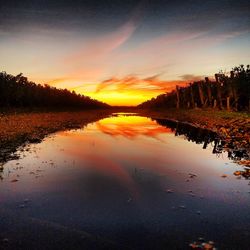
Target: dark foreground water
point(129, 182)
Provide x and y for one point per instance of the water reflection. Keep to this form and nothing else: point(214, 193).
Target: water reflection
point(205, 137)
point(130, 126)
point(142, 183)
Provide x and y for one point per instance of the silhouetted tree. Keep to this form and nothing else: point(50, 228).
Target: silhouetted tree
point(17, 91)
point(230, 91)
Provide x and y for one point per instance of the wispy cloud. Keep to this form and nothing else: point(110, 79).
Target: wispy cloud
point(101, 46)
point(134, 83)
point(191, 77)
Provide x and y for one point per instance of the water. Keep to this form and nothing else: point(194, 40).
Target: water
point(140, 183)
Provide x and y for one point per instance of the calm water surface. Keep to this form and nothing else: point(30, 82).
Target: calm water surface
point(133, 181)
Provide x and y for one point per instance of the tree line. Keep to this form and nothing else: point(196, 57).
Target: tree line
point(228, 91)
point(18, 92)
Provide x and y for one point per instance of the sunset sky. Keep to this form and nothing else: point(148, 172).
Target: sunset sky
point(122, 52)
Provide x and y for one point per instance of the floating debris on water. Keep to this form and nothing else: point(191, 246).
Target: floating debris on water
point(245, 173)
point(202, 244)
point(182, 207)
point(191, 175)
point(237, 173)
point(14, 180)
point(129, 200)
point(245, 163)
point(169, 191)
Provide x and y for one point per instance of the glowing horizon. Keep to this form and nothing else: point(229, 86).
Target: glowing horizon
point(120, 93)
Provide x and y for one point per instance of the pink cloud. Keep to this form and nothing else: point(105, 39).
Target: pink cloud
point(101, 46)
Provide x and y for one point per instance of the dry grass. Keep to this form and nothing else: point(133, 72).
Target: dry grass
point(234, 127)
point(18, 128)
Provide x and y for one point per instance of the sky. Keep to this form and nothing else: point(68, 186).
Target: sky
point(122, 52)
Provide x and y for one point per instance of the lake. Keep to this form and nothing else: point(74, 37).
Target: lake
point(128, 181)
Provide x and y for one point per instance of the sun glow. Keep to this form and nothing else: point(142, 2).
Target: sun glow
point(128, 91)
point(121, 126)
point(116, 98)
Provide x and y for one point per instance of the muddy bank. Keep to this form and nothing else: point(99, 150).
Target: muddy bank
point(232, 127)
point(17, 129)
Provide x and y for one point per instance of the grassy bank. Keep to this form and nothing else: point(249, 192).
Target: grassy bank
point(17, 128)
point(233, 127)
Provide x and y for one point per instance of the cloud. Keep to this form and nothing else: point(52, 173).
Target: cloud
point(96, 52)
point(101, 46)
point(105, 84)
point(134, 83)
point(191, 77)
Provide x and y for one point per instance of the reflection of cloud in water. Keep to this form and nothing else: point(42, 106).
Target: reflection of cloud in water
point(131, 127)
point(112, 168)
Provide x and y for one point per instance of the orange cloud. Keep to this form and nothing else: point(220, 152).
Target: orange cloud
point(129, 90)
point(134, 83)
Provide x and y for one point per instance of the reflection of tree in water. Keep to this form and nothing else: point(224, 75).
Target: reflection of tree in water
point(205, 137)
point(1, 172)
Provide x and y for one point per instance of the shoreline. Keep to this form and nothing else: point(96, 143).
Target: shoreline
point(231, 127)
point(18, 129)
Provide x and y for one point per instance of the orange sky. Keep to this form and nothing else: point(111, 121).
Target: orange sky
point(126, 57)
point(128, 91)
point(109, 68)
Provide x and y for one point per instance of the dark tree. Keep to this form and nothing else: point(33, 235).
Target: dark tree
point(18, 92)
point(227, 91)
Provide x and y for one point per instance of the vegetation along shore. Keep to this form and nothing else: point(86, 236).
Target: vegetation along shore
point(221, 106)
point(17, 129)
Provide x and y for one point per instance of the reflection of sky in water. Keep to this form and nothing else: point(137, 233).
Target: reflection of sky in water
point(115, 173)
